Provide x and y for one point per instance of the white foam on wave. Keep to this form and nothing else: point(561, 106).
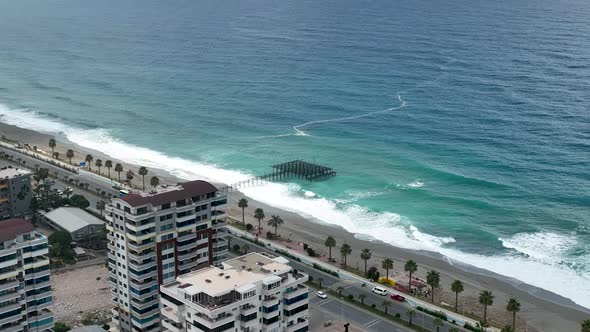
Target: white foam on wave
point(416, 184)
point(535, 259)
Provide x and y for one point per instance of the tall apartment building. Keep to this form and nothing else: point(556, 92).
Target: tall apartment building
point(25, 289)
point(153, 237)
point(15, 193)
point(252, 293)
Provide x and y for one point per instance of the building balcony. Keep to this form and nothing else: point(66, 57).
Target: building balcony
point(137, 218)
point(301, 323)
point(295, 291)
point(189, 236)
point(214, 322)
point(172, 326)
point(173, 315)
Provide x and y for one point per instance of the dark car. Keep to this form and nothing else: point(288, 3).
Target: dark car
point(398, 298)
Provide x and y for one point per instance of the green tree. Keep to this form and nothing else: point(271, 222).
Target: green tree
point(70, 155)
point(457, 287)
point(100, 205)
point(275, 221)
point(330, 242)
point(119, 169)
point(243, 204)
point(259, 215)
point(385, 304)
point(586, 325)
point(61, 327)
point(345, 250)
point(79, 201)
point(486, 298)
point(437, 322)
point(98, 163)
point(410, 313)
point(506, 328)
point(55, 155)
point(108, 164)
point(320, 280)
point(52, 145)
point(453, 329)
point(154, 181)
point(433, 280)
point(89, 158)
point(143, 171)
point(387, 264)
point(339, 289)
point(362, 297)
point(513, 306)
point(411, 267)
point(365, 256)
point(130, 175)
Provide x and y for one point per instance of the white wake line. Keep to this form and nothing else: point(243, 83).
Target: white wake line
point(299, 132)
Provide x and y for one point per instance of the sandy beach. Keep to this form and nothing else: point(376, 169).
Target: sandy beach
point(541, 310)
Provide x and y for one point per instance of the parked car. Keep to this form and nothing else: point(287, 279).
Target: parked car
point(398, 298)
point(321, 295)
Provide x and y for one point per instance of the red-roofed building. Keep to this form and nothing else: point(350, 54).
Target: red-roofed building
point(25, 287)
point(155, 236)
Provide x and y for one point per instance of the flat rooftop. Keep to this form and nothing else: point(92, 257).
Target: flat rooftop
point(72, 219)
point(12, 172)
point(236, 273)
point(169, 194)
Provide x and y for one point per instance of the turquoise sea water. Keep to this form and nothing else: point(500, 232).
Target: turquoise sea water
point(460, 127)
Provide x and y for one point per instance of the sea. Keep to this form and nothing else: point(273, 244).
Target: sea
point(460, 127)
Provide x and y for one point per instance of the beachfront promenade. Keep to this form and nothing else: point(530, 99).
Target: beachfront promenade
point(352, 285)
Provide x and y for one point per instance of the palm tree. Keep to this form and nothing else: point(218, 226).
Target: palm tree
point(55, 155)
point(275, 221)
point(387, 264)
point(345, 250)
point(119, 169)
point(330, 242)
point(410, 267)
point(89, 158)
point(437, 323)
point(70, 155)
point(243, 204)
point(366, 255)
point(154, 181)
point(108, 164)
point(433, 280)
point(98, 164)
point(586, 325)
point(143, 171)
point(411, 313)
point(100, 205)
point(457, 287)
point(259, 215)
point(386, 304)
point(339, 289)
point(320, 280)
point(513, 306)
point(486, 298)
point(362, 297)
point(52, 145)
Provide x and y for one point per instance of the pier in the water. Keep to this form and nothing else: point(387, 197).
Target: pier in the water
point(291, 169)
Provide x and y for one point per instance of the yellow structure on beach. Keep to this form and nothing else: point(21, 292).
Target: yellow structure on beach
point(384, 280)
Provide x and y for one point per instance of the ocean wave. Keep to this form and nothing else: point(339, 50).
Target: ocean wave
point(543, 270)
point(416, 184)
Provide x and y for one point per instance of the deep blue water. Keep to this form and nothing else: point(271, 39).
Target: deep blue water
point(461, 127)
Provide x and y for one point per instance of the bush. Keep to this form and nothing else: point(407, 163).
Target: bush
point(106, 327)
point(438, 314)
point(398, 315)
point(311, 252)
point(319, 267)
point(249, 227)
point(61, 327)
point(236, 247)
point(373, 306)
point(350, 297)
point(305, 246)
point(287, 254)
point(270, 235)
point(79, 201)
point(372, 270)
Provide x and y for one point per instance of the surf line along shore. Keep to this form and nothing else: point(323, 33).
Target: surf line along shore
point(543, 311)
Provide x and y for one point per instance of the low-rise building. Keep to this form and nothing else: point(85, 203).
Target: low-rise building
point(15, 193)
point(84, 228)
point(254, 292)
point(25, 289)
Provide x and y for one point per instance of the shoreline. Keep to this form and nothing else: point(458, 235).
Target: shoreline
point(541, 309)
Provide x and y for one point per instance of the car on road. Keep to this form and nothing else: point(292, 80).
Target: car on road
point(398, 298)
point(380, 291)
point(321, 295)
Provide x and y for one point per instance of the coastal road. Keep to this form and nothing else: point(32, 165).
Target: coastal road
point(355, 288)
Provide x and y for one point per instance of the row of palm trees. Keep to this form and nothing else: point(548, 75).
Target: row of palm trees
point(275, 221)
point(108, 164)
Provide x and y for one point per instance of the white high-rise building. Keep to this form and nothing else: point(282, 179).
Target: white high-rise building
point(25, 289)
point(153, 237)
point(254, 292)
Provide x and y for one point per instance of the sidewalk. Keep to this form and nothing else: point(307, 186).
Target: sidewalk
point(412, 301)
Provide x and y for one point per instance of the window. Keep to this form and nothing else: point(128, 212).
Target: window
point(165, 206)
point(166, 237)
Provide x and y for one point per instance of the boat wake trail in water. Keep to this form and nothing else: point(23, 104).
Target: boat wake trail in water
point(299, 132)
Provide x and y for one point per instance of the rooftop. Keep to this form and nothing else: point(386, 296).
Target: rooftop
point(10, 172)
point(237, 272)
point(72, 219)
point(170, 194)
point(88, 328)
point(10, 229)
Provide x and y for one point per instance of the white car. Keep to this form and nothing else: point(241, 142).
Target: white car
point(321, 295)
